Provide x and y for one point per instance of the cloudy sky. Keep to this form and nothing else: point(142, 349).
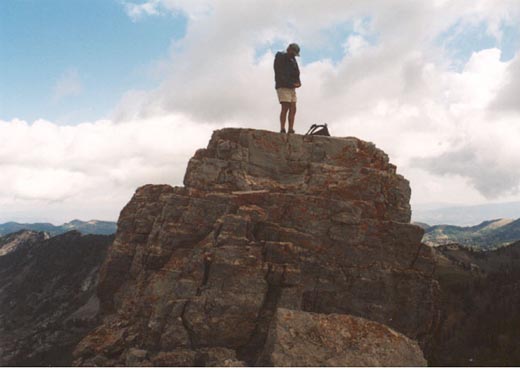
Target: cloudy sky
point(98, 97)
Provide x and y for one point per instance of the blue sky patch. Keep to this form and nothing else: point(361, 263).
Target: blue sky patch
point(40, 41)
point(462, 40)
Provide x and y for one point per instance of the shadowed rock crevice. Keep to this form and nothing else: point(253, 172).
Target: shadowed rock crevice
point(186, 325)
point(251, 351)
point(207, 267)
point(265, 222)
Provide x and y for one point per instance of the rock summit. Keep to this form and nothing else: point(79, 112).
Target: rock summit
point(278, 249)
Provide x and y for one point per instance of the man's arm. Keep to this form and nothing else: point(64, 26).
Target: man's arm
point(297, 83)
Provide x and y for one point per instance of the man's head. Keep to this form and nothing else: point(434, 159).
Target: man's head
point(293, 49)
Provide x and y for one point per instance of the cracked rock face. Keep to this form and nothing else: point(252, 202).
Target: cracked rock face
point(265, 221)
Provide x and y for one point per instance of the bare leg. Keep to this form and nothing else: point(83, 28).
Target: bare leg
point(292, 113)
point(283, 114)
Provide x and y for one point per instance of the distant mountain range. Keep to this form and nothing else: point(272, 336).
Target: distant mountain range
point(487, 235)
point(439, 214)
point(85, 227)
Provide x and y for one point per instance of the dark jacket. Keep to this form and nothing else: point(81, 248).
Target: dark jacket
point(286, 71)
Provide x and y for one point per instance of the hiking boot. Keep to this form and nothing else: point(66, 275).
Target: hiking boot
point(282, 130)
point(291, 131)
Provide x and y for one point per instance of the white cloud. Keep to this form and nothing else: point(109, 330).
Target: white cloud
point(100, 164)
point(192, 8)
point(451, 132)
point(400, 92)
point(507, 99)
point(482, 145)
point(137, 11)
point(355, 44)
point(68, 84)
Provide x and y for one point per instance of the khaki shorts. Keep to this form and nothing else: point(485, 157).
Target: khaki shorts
point(286, 94)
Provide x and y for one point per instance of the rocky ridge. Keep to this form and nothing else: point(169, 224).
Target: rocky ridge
point(265, 223)
point(488, 235)
point(47, 295)
point(480, 294)
point(19, 240)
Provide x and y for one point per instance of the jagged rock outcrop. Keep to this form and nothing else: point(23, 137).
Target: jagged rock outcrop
point(265, 221)
point(47, 295)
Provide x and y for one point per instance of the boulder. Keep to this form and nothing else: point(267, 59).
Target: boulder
point(299, 338)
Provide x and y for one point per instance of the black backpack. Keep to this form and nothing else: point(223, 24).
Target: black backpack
point(318, 130)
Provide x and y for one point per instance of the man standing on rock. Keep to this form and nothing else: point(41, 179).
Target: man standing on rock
point(287, 78)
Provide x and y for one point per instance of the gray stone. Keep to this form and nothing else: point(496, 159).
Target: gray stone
point(135, 357)
point(265, 221)
point(299, 338)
